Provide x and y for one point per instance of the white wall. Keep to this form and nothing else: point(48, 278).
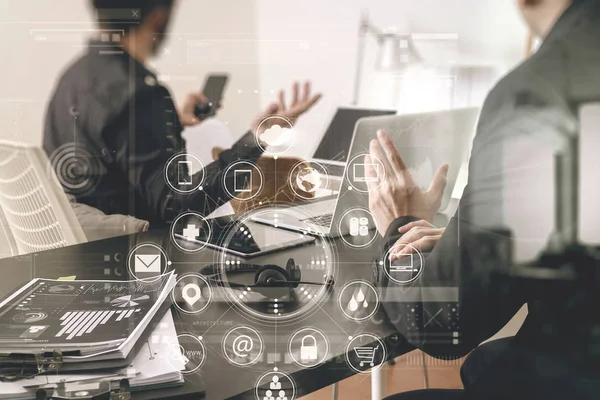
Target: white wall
point(263, 44)
point(320, 38)
point(208, 36)
point(30, 67)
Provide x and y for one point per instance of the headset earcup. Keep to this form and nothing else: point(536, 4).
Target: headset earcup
point(293, 272)
point(267, 272)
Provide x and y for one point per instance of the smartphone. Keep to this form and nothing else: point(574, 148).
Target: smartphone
point(184, 173)
point(214, 87)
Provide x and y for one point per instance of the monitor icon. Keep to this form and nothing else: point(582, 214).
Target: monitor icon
point(405, 264)
point(359, 172)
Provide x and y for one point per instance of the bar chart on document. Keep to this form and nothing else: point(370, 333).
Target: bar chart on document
point(74, 313)
point(79, 323)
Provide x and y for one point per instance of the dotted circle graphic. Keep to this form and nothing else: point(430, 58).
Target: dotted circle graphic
point(77, 170)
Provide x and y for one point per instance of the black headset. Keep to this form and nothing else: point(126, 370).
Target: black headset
point(266, 276)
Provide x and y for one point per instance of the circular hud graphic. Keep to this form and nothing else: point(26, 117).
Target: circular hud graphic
point(77, 170)
point(30, 317)
point(310, 269)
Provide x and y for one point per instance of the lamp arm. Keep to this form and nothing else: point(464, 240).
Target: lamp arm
point(364, 29)
point(359, 64)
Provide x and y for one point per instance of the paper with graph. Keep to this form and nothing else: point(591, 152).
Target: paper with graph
point(82, 318)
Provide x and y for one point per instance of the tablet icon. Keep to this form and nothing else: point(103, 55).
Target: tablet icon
point(242, 181)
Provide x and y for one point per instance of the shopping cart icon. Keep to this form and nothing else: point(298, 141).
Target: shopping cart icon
point(366, 355)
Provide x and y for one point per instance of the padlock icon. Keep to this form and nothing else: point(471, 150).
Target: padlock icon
point(308, 351)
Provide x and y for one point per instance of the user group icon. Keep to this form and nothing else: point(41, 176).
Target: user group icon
point(275, 385)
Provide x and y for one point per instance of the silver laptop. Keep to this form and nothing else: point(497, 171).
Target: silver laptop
point(426, 141)
point(332, 151)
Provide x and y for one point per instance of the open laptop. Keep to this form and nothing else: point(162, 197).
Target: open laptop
point(332, 151)
point(426, 141)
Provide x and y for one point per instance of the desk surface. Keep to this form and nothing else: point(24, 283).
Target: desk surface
point(106, 259)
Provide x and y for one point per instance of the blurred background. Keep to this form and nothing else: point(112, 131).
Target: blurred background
point(263, 46)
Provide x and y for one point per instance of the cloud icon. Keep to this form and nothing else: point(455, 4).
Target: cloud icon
point(277, 136)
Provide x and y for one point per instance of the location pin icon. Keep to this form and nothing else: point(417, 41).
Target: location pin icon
point(196, 294)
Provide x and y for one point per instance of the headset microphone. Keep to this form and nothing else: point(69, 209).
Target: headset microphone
point(265, 277)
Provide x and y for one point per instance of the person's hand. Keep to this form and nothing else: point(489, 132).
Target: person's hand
point(397, 194)
point(300, 103)
point(187, 117)
point(416, 236)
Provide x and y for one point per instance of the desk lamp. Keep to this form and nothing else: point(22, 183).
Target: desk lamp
point(396, 52)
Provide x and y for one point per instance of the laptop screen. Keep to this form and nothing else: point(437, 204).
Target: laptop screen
point(336, 141)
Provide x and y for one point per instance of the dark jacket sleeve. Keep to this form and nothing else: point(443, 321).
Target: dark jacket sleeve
point(145, 139)
point(457, 276)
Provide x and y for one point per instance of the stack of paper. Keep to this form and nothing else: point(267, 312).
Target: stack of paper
point(152, 367)
point(96, 324)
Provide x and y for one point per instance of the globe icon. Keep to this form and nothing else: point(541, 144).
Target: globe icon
point(308, 179)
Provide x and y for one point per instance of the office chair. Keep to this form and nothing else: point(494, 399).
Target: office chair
point(35, 214)
point(430, 394)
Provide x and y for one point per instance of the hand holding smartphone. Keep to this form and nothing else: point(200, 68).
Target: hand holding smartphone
point(213, 90)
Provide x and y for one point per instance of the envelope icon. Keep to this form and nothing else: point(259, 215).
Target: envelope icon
point(148, 263)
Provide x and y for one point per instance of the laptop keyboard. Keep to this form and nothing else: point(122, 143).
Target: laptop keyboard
point(322, 220)
point(333, 169)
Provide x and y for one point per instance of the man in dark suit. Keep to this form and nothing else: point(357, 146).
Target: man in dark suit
point(530, 112)
point(111, 127)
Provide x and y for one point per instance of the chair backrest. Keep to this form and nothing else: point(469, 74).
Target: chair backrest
point(35, 213)
point(589, 165)
point(589, 195)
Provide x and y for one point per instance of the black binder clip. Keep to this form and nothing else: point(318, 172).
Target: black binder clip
point(49, 363)
point(97, 390)
point(15, 367)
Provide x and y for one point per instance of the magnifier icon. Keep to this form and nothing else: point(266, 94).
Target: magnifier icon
point(177, 352)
